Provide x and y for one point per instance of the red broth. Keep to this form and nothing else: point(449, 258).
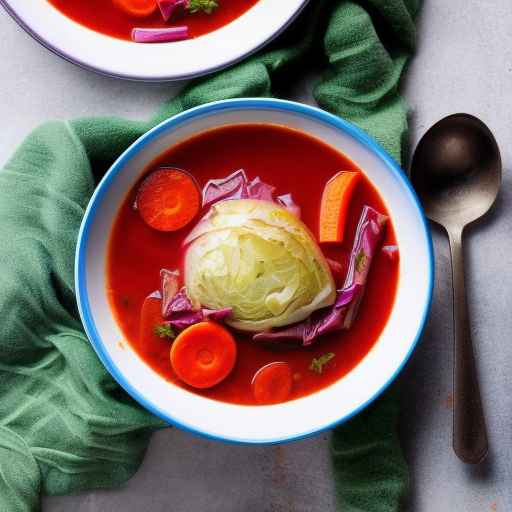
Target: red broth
point(293, 162)
point(103, 16)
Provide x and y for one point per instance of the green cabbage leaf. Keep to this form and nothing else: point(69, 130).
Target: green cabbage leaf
point(260, 260)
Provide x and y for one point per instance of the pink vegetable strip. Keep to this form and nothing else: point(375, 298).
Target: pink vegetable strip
point(287, 201)
point(182, 319)
point(178, 309)
point(237, 186)
point(319, 323)
point(369, 234)
point(343, 312)
point(168, 288)
point(169, 7)
point(233, 186)
point(159, 35)
point(261, 190)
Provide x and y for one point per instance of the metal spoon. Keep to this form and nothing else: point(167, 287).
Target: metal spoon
point(456, 170)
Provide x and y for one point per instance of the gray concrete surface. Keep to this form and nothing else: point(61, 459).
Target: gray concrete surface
point(464, 63)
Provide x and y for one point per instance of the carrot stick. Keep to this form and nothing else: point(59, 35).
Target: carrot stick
point(137, 8)
point(168, 199)
point(272, 384)
point(203, 355)
point(334, 206)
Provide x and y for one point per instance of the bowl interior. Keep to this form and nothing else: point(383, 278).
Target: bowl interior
point(166, 61)
point(293, 419)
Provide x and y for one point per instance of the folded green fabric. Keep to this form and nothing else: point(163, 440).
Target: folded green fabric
point(65, 425)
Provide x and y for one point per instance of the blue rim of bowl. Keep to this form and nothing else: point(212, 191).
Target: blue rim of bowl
point(134, 78)
point(207, 109)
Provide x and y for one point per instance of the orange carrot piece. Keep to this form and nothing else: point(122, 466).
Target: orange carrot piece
point(334, 207)
point(137, 8)
point(168, 199)
point(272, 384)
point(203, 355)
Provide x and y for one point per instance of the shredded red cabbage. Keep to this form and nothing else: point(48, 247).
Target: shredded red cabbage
point(169, 7)
point(180, 304)
point(232, 187)
point(159, 35)
point(237, 186)
point(178, 309)
point(286, 200)
point(319, 323)
point(169, 286)
point(343, 312)
point(217, 314)
point(369, 234)
point(258, 189)
point(183, 319)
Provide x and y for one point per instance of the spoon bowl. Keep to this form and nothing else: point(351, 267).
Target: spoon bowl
point(456, 171)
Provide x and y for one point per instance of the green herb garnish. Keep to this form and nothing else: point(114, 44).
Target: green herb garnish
point(360, 261)
point(207, 6)
point(317, 365)
point(164, 331)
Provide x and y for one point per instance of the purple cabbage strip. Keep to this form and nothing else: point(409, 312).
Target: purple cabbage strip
point(182, 320)
point(159, 35)
point(218, 315)
point(169, 286)
point(178, 309)
point(180, 305)
point(232, 187)
point(319, 323)
point(369, 234)
point(343, 312)
point(258, 189)
point(169, 7)
point(286, 200)
point(237, 186)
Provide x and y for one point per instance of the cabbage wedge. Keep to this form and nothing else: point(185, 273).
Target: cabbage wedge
point(260, 260)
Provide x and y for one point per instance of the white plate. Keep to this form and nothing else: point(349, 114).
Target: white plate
point(153, 62)
point(297, 418)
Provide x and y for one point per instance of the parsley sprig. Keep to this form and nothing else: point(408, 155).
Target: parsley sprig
point(317, 365)
point(164, 331)
point(207, 6)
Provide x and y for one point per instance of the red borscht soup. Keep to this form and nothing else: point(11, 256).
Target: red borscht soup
point(119, 18)
point(252, 264)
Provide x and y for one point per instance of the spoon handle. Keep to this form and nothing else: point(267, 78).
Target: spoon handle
point(469, 431)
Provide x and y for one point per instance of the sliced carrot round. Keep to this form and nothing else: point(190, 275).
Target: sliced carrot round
point(272, 384)
point(137, 8)
point(203, 355)
point(168, 199)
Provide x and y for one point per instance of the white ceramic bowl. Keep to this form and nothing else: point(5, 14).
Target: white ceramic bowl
point(304, 416)
point(153, 62)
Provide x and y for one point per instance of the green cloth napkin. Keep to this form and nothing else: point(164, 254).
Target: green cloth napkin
point(65, 425)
